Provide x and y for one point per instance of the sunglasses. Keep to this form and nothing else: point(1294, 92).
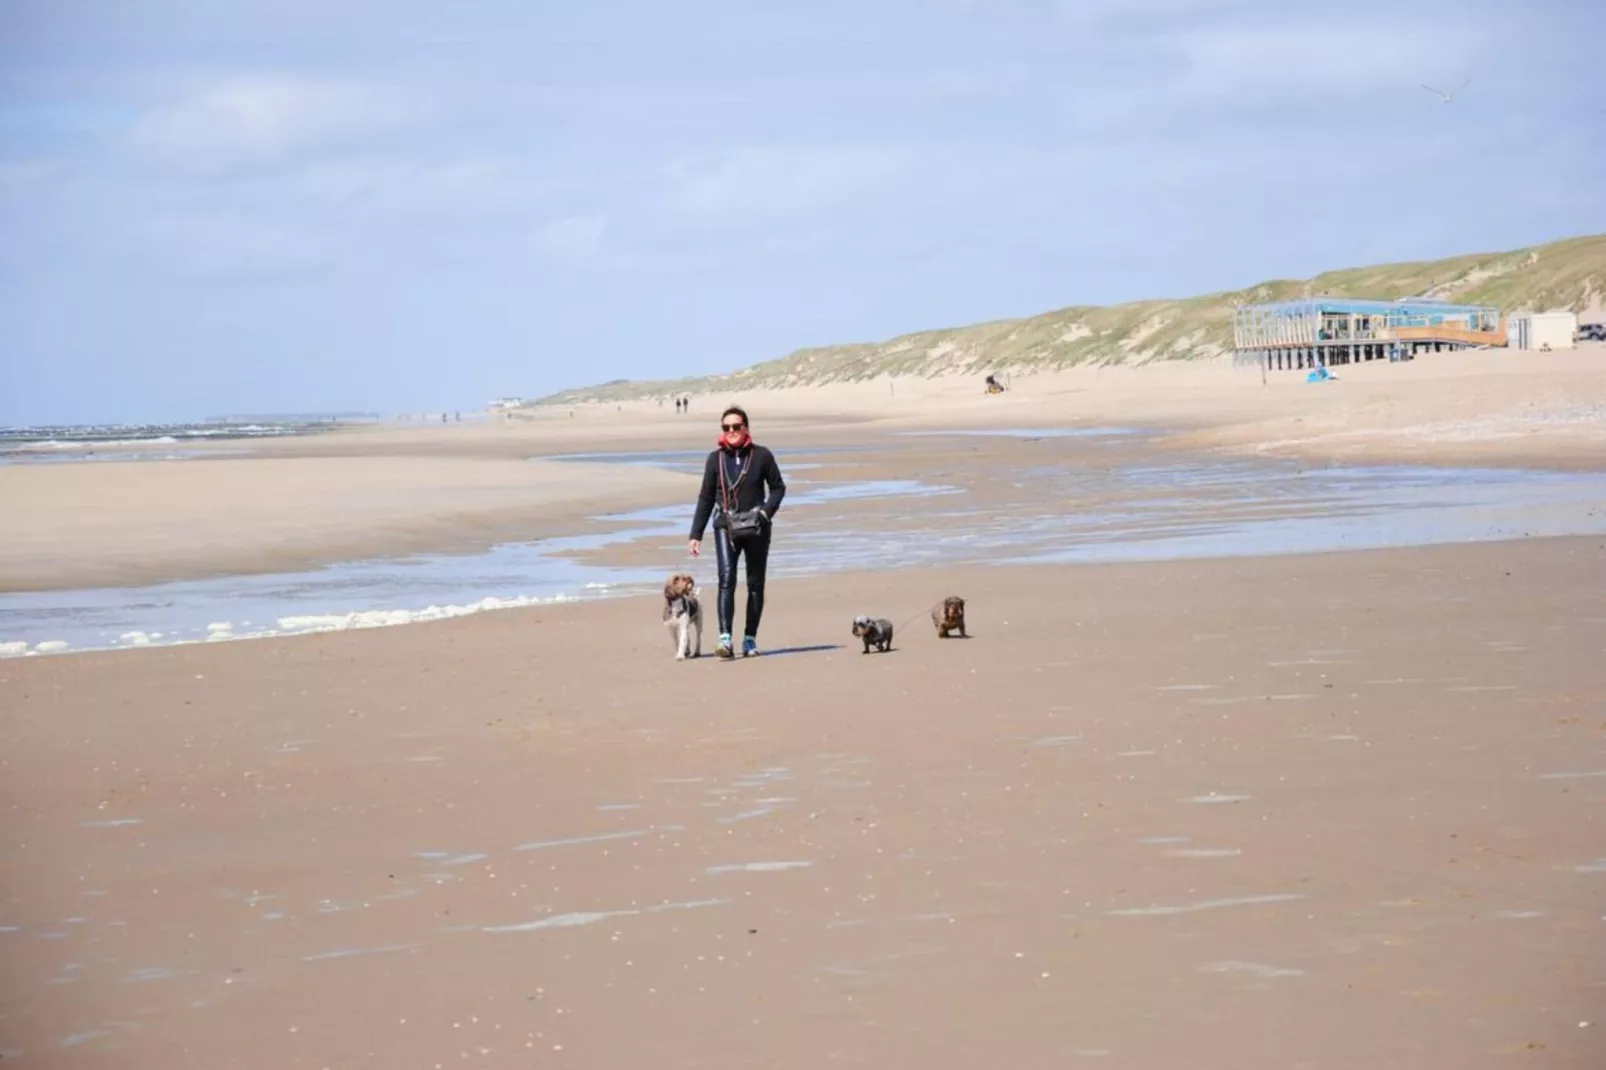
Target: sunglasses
point(731, 427)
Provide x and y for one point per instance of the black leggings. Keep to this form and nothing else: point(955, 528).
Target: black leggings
point(728, 552)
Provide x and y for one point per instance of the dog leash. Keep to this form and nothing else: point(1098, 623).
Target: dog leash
point(911, 620)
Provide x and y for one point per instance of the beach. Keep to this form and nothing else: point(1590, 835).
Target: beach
point(1329, 810)
point(314, 499)
point(1278, 738)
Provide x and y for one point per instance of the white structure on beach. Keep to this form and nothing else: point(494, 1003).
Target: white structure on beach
point(507, 403)
point(1539, 330)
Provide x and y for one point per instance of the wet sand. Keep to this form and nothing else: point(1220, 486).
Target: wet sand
point(1332, 810)
point(304, 501)
point(137, 523)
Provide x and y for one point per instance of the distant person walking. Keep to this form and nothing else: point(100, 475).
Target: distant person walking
point(736, 477)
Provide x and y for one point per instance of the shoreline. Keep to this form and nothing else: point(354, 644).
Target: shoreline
point(361, 492)
point(1198, 512)
point(644, 594)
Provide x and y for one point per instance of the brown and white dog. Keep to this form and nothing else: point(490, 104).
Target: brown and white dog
point(949, 616)
point(683, 615)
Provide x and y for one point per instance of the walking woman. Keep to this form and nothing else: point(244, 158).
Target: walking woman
point(735, 480)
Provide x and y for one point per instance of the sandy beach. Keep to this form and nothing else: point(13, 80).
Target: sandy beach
point(1324, 810)
point(131, 523)
point(1233, 806)
point(305, 501)
point(363, 369)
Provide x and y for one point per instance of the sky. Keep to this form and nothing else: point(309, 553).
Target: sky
point(225, 206)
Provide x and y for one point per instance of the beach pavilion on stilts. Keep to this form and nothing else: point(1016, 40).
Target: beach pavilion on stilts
point(1323, 331)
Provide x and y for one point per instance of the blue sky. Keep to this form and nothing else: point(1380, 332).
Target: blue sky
point(289, 205)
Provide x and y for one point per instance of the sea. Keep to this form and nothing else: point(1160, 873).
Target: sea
point(117, 442)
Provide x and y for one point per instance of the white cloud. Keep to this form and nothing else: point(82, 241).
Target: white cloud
point(1323, 56)
point(752, 183)
point(573, 241)
point(1269, 68)
point(219, 246)
point(463, 188)
point(259, 121)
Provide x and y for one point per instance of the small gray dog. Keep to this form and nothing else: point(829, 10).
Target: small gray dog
point(683, 615)
point(875, 632)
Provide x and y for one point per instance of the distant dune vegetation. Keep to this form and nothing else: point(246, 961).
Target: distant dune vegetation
point(1565, 274)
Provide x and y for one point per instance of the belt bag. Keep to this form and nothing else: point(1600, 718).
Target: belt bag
point(745, 523)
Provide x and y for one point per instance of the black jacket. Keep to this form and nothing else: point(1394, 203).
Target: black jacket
point(747, 492)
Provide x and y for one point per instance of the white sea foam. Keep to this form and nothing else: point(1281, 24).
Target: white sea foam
point(383, 618)
point(49, 444)
point(224, 631)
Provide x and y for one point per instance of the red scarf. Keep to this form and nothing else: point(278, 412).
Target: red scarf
point(747, 440)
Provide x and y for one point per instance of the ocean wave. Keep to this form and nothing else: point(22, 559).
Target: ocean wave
point(301, 624)
point(82, 444)
point(17, 649)
point(43, 439)
point(386, 618)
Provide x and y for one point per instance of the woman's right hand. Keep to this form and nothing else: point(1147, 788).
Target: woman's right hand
point(696, 547)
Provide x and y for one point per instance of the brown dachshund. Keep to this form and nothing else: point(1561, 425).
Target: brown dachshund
point(948, 616)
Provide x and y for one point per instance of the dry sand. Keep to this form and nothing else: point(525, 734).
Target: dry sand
point(1325, 811)
point(1496, 406)
point(300, 502)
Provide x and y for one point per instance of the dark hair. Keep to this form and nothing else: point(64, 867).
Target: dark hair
point(736, 410)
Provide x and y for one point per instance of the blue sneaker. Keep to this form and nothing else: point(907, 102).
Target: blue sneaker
point(749, 647)
point(723, 648)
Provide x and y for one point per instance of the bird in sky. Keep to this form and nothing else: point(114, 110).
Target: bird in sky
point(1442, 95)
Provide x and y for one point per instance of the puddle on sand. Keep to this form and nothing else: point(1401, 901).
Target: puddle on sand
point(691, 461)
point(1030, 432)
point(1216, 508)
point(1104, 507)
